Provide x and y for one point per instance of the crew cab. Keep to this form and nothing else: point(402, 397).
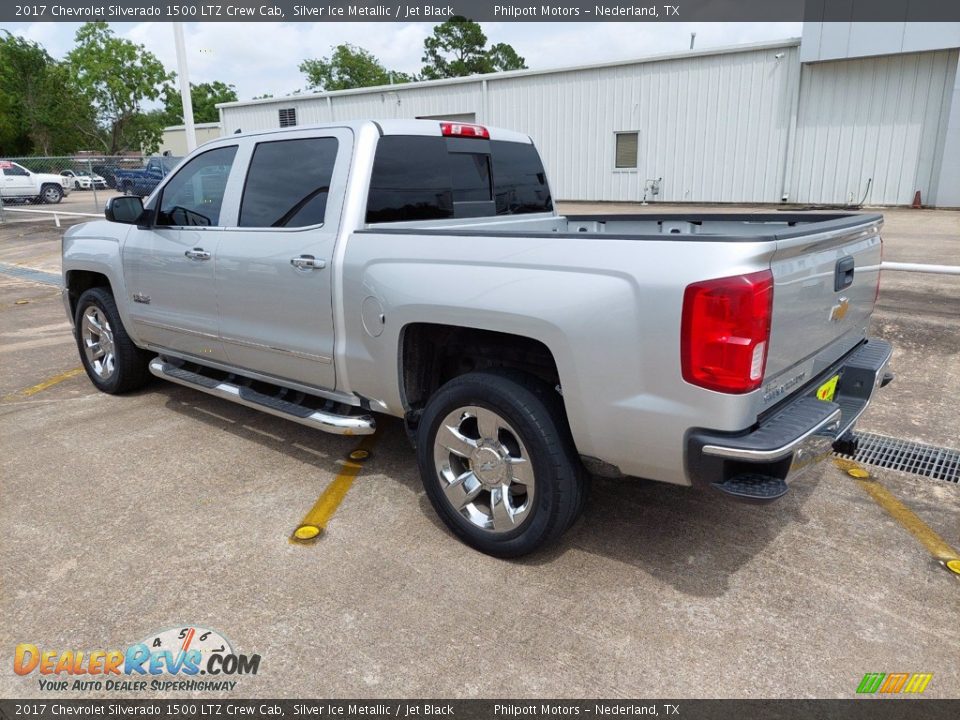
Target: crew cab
point(18, 183)
point(419, 269)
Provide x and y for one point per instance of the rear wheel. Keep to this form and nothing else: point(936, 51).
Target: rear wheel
point(498, 463)
point(113, 363)
point(51, 194)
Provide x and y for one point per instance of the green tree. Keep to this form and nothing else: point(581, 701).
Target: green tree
point(204, 97)
point(349, 67)
point(503, 57)
point(41, 109)
point(118, 76)
point(458, 47)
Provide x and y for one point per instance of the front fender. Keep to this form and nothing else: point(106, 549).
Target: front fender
point(98, 247)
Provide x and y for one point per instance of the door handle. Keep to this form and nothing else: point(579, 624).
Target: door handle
point(843, 274)
point(308, 262)
point(197, 254)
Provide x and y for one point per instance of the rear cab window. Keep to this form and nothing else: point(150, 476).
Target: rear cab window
point(432, 178)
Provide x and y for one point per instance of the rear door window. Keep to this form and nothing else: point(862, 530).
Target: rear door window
point(288, 183)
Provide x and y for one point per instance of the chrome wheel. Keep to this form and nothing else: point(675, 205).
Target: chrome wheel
point(52, 194)
point(97, 340)
point(484, 469)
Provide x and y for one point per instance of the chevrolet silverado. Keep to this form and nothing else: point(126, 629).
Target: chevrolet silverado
point(419, 269)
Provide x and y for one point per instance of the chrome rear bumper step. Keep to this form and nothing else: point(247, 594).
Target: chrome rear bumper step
point(330, 422)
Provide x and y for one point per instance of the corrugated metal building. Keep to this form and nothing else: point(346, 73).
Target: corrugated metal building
point(811, 123)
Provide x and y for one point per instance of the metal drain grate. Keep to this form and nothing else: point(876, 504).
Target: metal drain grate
point(25, 273)
point(909, 457)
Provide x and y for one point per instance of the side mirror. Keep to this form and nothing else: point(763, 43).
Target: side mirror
point(124, 209)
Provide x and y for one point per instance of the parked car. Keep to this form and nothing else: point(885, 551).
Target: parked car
point(107, 173)
point(419, 269)
point(83, 180)
point(142, 181)
point(16, 182)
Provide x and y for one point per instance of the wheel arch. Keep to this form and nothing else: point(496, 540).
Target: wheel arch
point(78, 282)
point(432, 354)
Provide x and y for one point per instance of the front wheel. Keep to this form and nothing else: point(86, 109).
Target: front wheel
point(113, 363)
point(498, 463)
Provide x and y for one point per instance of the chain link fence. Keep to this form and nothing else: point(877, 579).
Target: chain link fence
point(41, 187)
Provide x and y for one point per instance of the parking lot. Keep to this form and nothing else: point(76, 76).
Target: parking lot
point(78, 201)
point(168, 508)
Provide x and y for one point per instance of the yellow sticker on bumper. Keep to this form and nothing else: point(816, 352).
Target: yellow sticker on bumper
point(827, 390)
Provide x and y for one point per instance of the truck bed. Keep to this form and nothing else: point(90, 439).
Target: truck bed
point(707, 227)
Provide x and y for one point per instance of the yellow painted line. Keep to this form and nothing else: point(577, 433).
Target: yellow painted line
point(315, 521)
point(939, 548)
point(40, 387)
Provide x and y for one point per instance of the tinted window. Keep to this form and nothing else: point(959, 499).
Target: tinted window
point(194, 195)
point(16, 170)
point(519, 181)
point(427, 178)
point(288, 183)
point(470, 177)
point(410, 180)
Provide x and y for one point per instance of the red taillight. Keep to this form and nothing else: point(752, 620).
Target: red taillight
point(725, 332)
point(461, 130)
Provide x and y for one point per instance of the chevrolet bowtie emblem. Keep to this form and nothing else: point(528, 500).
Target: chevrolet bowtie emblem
point(839, 311)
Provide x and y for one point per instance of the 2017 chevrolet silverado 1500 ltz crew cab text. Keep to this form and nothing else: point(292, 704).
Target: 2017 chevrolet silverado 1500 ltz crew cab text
point(419, 269)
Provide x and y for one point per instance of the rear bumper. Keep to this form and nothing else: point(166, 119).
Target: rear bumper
point(799, 434)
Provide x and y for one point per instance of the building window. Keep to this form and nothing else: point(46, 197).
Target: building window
point(288, 117)
point(626, 151)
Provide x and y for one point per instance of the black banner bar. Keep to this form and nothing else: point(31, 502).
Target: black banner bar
point(874, 708)
point(481, 10)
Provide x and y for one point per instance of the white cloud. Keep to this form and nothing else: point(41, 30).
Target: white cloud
point(263, 57)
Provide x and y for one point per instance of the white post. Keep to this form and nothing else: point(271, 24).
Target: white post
point(184, 76)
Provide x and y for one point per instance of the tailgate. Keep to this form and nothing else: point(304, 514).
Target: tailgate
point(825, 285)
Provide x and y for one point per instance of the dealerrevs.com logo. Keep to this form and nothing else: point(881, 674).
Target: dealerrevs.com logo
point(169, 660)
point(894, 683)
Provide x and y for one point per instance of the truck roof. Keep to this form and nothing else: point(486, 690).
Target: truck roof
point(387, 127)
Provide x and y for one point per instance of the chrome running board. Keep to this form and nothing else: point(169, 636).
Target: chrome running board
point(330, 422)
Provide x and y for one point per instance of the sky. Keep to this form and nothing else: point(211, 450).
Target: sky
point(260, 58)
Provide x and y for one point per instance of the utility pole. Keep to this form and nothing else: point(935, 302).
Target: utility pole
point(184, 76)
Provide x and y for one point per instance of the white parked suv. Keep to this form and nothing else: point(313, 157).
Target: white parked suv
point(18, 182)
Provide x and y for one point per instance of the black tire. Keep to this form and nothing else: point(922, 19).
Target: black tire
point(76, 185)
point(51, 194)
point(125, 188)
point(535, 411)
point(130, 362)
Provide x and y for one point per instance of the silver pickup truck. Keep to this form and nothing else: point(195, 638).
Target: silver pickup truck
point(419, 269)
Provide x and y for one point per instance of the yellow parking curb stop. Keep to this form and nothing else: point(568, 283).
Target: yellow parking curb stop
point(315, 521)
